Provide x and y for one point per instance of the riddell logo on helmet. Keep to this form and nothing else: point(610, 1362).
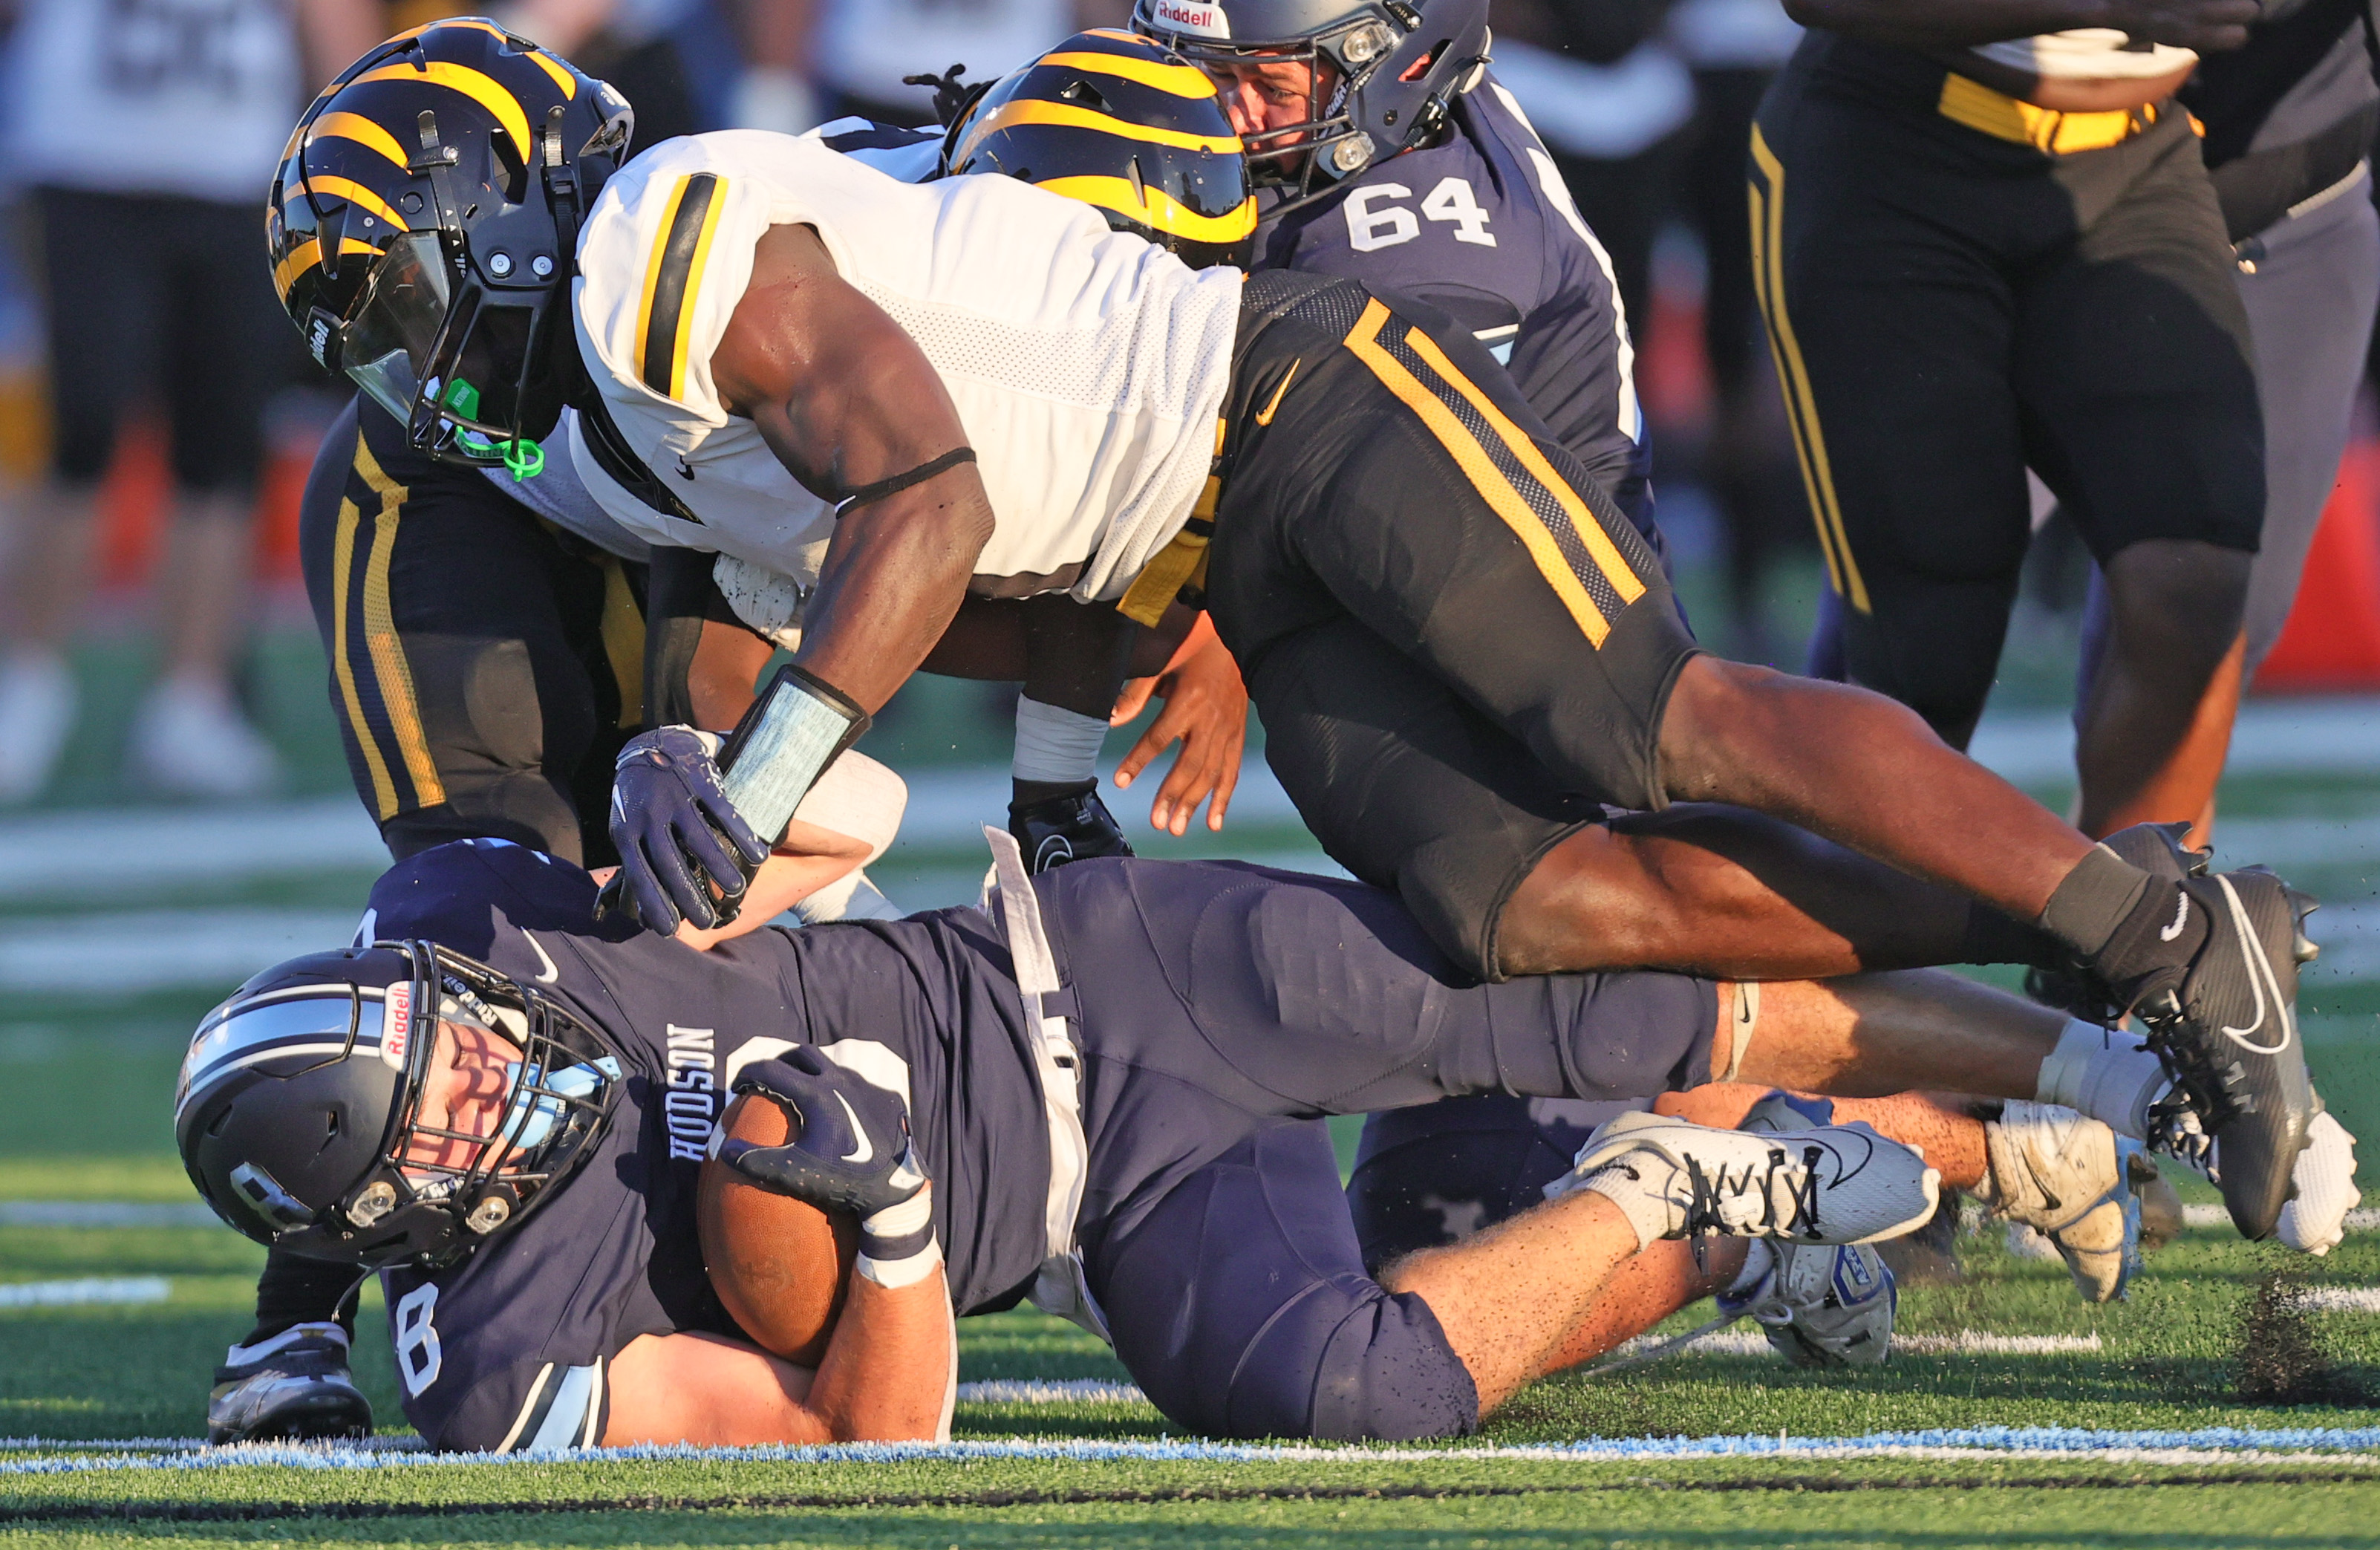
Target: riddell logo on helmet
point(1205, 21)
point(396, 1029)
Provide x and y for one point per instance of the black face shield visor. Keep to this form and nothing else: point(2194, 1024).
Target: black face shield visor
point(451, 361)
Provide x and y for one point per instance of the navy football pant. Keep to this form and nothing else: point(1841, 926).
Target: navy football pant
point(1221, 1008)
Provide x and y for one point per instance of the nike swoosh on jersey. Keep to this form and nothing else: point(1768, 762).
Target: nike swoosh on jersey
point(866, 1149)
point(1263, 415)
point(548, 974)
point(2180, 918)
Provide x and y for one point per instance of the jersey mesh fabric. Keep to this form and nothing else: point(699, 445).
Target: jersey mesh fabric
point(1015, 295)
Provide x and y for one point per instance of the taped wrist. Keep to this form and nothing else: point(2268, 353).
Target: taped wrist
point(797, 727)
point(896, 1245)
point(1056, 746)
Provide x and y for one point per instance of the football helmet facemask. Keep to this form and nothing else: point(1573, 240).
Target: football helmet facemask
point(299, 1112)
point(1129, 128)
point(1384, 74)
point(422, 227)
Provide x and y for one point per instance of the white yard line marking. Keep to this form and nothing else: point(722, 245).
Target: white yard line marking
point(96, 1289)
point(2365, 1220)
point(1739, 1342)
point(2330, 736)
point(153, 950)
point(1049, 1391)
point(2213, 1444)
point(104, 1214)
point(122, 852)
point(2341, 1300)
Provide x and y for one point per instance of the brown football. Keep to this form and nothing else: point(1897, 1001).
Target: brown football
point(780, 1265)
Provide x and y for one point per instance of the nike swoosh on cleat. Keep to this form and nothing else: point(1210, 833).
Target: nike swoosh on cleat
point(866, 1148)
point(2260, 974)
point(2180, 917)
point(550, 973)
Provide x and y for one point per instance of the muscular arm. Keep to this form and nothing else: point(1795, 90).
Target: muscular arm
point(2205, 25)
point(844, 399)
point(886, 1370)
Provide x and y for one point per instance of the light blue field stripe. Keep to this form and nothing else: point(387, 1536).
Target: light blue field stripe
point(2036, 1441)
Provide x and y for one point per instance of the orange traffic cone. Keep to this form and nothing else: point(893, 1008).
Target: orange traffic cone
point(2332, 642)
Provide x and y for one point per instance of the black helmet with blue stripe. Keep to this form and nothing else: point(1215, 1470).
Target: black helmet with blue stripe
point(299, 1106)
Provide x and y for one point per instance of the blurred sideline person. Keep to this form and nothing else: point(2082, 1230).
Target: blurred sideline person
point(145, 133)
point(1989, 243)
point(2288, 121)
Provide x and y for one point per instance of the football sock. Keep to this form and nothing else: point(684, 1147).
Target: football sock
point(1993, 937)
point(1056, 747)
point(295, 1290)
point(2105, 1073)
point(1628, 1182)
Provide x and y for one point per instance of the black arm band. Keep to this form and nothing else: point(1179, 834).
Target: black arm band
point(868, 494)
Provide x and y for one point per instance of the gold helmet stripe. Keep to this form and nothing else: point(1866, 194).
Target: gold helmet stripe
point(562, 77)
point(305, 256)
point(1027, 110)
point(1180, 80)
point(480, 88)
point(362, 130)
point(352, 191)
point(1159, 211)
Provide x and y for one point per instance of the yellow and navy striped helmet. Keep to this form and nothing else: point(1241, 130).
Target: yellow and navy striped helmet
point(422, 228)
point(1124, 123)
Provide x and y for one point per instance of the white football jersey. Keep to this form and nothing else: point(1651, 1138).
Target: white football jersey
point(1087, 366)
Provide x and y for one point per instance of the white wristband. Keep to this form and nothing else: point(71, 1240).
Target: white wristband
point(906, 1272)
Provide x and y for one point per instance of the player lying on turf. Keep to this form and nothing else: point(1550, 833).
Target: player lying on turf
point(878, 390)
point(1102, 1093)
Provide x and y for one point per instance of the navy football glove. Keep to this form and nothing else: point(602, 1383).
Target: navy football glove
point(678, 833)
point(853, 1153)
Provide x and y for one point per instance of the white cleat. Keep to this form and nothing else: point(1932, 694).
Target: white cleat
point(2314, 1222)
point(1827, 1184)
point(2076, 1183)
point(37, 710)
point(188, 740)
point(1820, 1305)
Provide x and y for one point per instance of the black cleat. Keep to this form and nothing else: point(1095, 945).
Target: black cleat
point(1056, 830)
point(2226, 1029)
point(293, 1386)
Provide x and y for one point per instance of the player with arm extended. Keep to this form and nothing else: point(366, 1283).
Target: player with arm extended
point(1102, 1090)
point(1407, 568)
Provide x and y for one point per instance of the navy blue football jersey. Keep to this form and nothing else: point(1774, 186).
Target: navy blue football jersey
point(507, 1349)
point(1482, 227)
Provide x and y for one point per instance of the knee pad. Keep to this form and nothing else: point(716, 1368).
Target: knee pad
point(1351, 1361)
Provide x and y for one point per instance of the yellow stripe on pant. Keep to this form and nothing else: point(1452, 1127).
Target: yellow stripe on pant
point(391, 678)
point(1767, 211)
point(1512, 474)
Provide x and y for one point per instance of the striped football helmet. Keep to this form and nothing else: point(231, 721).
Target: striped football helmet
point(423, 224)
point(300, 1105)
point(1124, 125)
